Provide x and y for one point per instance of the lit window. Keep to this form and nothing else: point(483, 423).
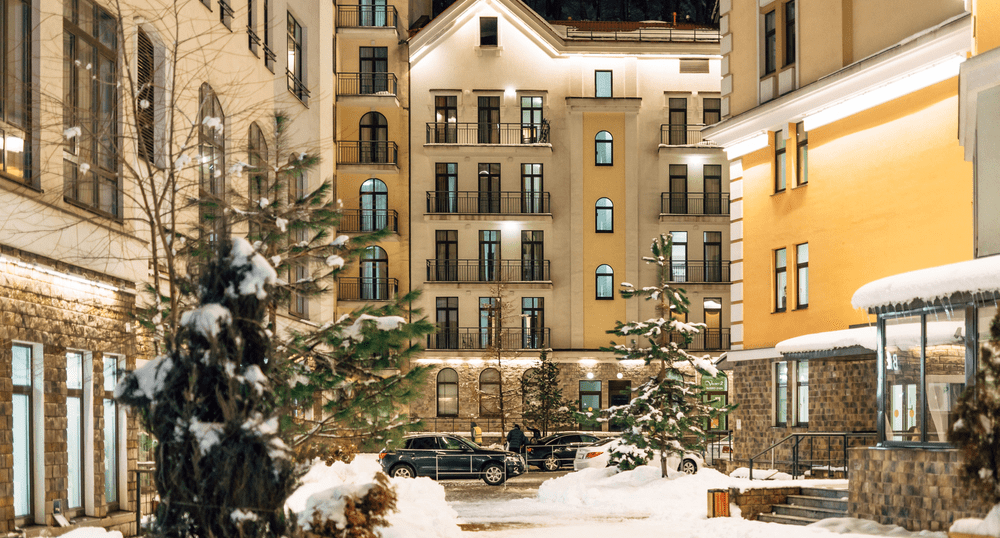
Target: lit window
point(602, 84)
point(605, 282)
point(447, 393)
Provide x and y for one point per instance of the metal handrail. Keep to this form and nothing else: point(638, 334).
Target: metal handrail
point(699, 35)
point(684, 135)
point(799, 437)
point(692, 271)
point(366, 84)
point(487, 270)
point(366, 152)
point(370, 16)
point(145, 493)
point(368, 220)
point(694, 204)
point(488, 133)
point(366, 288)
point(297, 87)
point(488, 202)
point(481, 338)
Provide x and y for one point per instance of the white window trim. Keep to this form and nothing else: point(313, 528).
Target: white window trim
point(792, 417)
point(37, 431)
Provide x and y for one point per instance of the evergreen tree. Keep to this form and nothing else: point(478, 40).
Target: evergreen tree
point(668, 412)
point(977, 429)
point(544, 405)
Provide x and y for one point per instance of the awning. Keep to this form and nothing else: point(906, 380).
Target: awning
point(862, 338)
point(956, 283)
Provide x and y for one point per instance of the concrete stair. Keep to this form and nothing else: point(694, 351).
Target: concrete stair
point(812, 505)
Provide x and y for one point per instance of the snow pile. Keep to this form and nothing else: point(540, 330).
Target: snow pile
point(760, 474)
point(850, 525)
point(421, 511)
point(91, 532)
point(986, 527)
point(974, 276)
point(861, 337)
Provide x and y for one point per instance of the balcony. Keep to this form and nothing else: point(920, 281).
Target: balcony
point(707, 340)
point(684, 135)
point(699, 272)
point(487, 202)
point(368, 220)
point(494, 134)
point(366, 289)
point(367, 152)
point(370, 16)
point(364, 84)
point(488, 271)
point(695, 204)
point(481, 338)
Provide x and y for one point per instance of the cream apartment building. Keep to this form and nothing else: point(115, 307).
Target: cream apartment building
point(90, 95)
point(545, 157)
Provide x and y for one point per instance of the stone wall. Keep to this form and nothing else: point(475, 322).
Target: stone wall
point(757, 501)
point(917, 489)
point(841, 398)
point(60, 314)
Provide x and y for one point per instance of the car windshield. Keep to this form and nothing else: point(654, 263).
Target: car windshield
point(604, 442)
point(548, 439)
point(455, 443)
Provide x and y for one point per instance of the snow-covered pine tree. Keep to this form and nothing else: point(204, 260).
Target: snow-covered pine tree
point(977, 429)
point(544, 405)
point(222, 471)
point(668, 411)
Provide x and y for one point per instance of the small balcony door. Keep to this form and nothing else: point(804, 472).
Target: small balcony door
point(489, 120)
point(678, 257)
point(372, 13)
point(678, 121)
point(446, 256)
point(489, 255)
point(447, 323)
point(678, 189)
point(489, 187)
point(374, 205)
point(373, 133)
point(374, 69)
point(374, 274)
point(713, 256)
point(446, 188)
point(489, 322)
point(531, 188)
point(532, 256)
point(533, 322)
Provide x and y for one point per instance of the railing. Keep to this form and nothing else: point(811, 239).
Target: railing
point(684, 135)
point(806, 460)
point(488, 270)
point(701, 35)
point(508, 134)
point(699, 271)
point(366, 84)
point(368, 220)
point(144, 499)
point(366, 152)
point(252, 39)
point(706, 340)
point(694, 204)
point(297, 87)
point(269, 57)
point(225, 13)
point(366, 16)
point(481, 338)
point(718, 445)
point(366, 289)
point(495, 202)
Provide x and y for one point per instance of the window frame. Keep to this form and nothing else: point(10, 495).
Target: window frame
point(782, 414)
point(77, 486)
point(16, 68)
point(447, 338)
point(770, 34)
point(610, 143)
point(296, 64)
point(28, 392)
point(532, 199)
point(801, 275)
point(789, 37)
point(801, 388)
point(298, 304)
point(801, 156)
point(609, 210)
point(486, 408)
point(780, 161)
point(445, 201)
point(439, 383)
point(212, 157)
point(533, 308)
point(610, 83)
point(606, 274)
point(780, 280)
point(112, 480)
point(599, 393)
point(488, 37)
point(716, 109)
point(374, 260)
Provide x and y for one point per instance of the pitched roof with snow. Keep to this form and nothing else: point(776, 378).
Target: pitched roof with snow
point(975, 278)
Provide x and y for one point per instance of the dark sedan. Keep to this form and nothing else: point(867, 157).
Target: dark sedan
point(441, 456)
point(557, 450)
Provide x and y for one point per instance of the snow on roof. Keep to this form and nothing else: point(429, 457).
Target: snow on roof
point(862, 337)
point(973, 276)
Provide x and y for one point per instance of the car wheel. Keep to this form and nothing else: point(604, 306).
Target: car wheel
point(403, 471)
point(493, 475)
point(551, 463)
point(688, 467)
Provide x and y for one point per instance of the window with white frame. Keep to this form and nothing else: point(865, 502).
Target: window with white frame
point(791, 393)
point(22, 362)
point(74, 429)
point(111, 427)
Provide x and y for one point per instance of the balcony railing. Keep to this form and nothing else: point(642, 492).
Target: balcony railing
point(368, 220)
point(269, 57)
point(366, 16)
point(707, 340)
point(476, 202)
point(684, 135)
point(366, 289)
point(366, 152)
point(297, 87)
point(699, 271)
point(694, 204)
point(500, 134)
point(699, 35)
point(366, 84)
point(488, 338)
point(488, 271)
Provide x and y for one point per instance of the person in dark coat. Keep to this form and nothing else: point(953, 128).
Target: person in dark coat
point(515, 439)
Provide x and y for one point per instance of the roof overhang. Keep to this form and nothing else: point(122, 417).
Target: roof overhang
point(829, 344)
point(968, 282)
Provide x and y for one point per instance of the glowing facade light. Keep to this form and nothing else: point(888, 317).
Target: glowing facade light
point(619, 375)
point(73, 280)
point(590, 375)
point(746, 145)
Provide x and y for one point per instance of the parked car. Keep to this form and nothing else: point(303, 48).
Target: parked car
point(557, 450)
point(439, 456)
point(597, 456)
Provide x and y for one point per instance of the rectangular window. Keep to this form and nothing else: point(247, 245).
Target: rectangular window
point(74, 429)
point(781, 394)
point(712, 112)
point(269, 56)
point(373, 70)
point(299, 303)
point(296, 61)
point(447, 323)
point(790, 33)
point(532, 196)
point(488, 32)
point(770, 44)
point(22, 356)
point(489, 255)
point(678, 121)
point(445, 199)
point(533, 322)
point(90, 104)
point(713, 257)
point(489, 322)
point(779, 161)
point(602, 84)
point(445, 119)
point(226, 14)
point(590, 396)
point(802, 275)
point(532, 256)
point(146, 111)
point(489, 119)
point(678, 257)
point(678, 189)
point(801, 393)
point(531, 120)
point(802, 160)
point(15, 94)
point(110, 430)
point(446, 255)
point(489, 187)
point(714, 204)
point(252, 39)
point(780, 280)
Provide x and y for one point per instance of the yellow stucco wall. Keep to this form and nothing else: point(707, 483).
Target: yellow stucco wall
point(602, 248)
point(987, 25)
point(889, 192)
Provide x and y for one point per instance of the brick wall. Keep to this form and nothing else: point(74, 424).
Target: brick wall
point(918, 489)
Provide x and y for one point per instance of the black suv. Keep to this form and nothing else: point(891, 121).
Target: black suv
point(557, 450)
point(437, 455)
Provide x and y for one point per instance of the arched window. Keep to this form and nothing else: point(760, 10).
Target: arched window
point(374, 205)
point(257, 158)
point(605, 282)
point(605, 216)
point(374, 274)
point(603, 149)
point(526, 378)
point(212, 150)
point(489, 393)
point(447, 393)
point(373, 131)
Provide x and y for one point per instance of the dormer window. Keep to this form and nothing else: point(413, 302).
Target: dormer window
point(488, 32)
